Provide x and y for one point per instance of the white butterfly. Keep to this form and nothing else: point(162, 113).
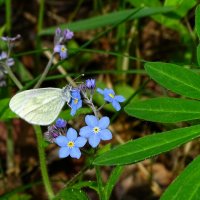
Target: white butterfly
point(40, 106)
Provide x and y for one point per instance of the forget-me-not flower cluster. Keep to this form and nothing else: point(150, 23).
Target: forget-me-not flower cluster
point(96, 129)
point(60, 38)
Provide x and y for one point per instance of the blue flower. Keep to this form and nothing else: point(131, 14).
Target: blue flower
point(68, 35)
point(61, 123)
point(4, 60)
point(10, 39)
point(62, 50)
point(96, 130)
point(90, 83)
point(109, 96)
point(9, 61)
point(61, 37)
point(76, 101)
point(70, 144)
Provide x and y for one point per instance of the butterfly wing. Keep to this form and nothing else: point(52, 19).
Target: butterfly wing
point(38, 106)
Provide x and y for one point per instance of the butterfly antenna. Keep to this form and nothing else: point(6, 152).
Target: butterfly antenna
point(78, 76)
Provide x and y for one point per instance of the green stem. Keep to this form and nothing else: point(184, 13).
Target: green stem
point(45, 72)
point(76, 177)
point(43, 166)
point(12, 76)
point(8, 15)
point(101, 187)
point(10, 148)
point(41, 16)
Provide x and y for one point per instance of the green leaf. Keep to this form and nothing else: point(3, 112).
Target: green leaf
point(182, 6)
point(5, 112)
point(140, 3)
point(175, 78)
point(90, 184)
point(166, 21)
point(197, 20)
point(198, 54)
point(148, 146)
point(107, 19)
point(165, 110)
point(72, 194)
point(20, 197)
point(116, 173)
point(186, 186)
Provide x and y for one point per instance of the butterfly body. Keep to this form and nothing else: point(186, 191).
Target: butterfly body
point(40, 106)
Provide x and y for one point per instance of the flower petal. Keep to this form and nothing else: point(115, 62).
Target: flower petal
point(105, 134)
point(57, 48)
point(94, 140)
point(85, 131)
point(63, 152)
point(99, 90)
point(108, 98)
point(91, 120)
point(73, 110)
point(71, 134)
point(79, 104)
point(109, 91)
point(80, 141)
point(61, 141)
point(75, 153)
point(116, 105)
point(119, 98)
point(76, 94)
point(104, 122)
point(63, 55)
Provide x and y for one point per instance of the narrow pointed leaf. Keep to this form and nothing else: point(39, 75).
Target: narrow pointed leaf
point(198, 54)
point(72, 194)
point(197, 20)
point(175, 78)
point(107, 19)
point(116, 173)
point(148, 146)
point(86, 184)
point(165, 110)
point(186, 186)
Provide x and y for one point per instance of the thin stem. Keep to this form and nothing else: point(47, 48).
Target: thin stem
point(42, 160)
point(90, 104)
point(77, 176)
point(100, 183)
point(8, 15)
point(12, 76)
point(45, 72)
point(10, 149)
point(94, 110)
point(41, 15)
point(101, 107)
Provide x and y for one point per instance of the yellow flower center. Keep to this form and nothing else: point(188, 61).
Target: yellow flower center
point(111, 95)
point(75, 101)
point(96, 129)
point(63, 49)
point(70, 144)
